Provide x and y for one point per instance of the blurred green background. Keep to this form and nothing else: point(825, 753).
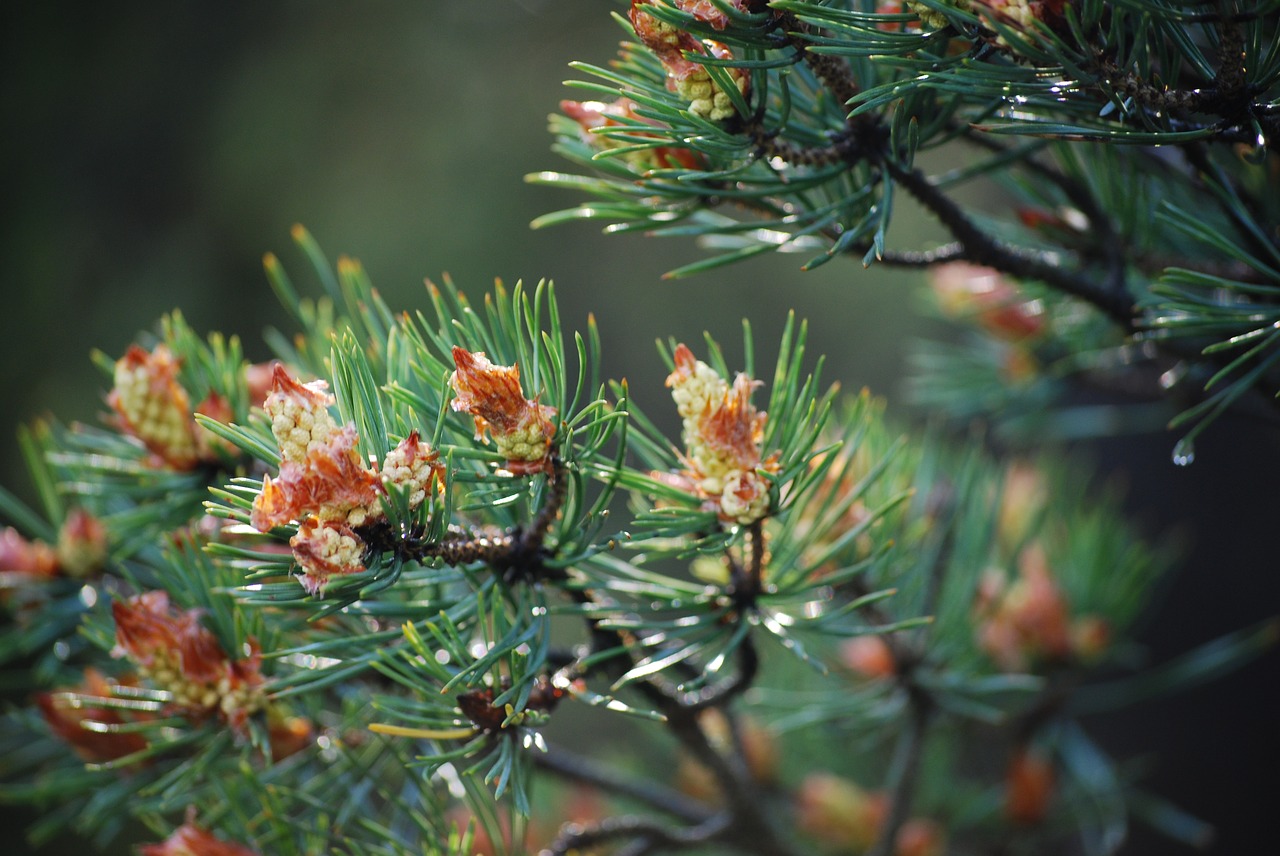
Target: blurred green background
point(154, 153)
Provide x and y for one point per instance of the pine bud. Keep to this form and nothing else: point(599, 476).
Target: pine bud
point(1029, 784)
point(191, 839)
point(708, 12)
point(324, 550)
point(989, 298)
point(68, 718)
point(27, 559)
point(299, 414)
point(1023, 496)
point(931, 17)
point(182, 657)
point(920, 836)
point(686, 77)
point(1026, 619)
point(592, 115)
point(839, 813)
point(1022, 15)
point(330, 483)
point(1090, 637)
point(82, 544)
point(414, 465)
point(723, 433)
point(288, 735)
point(868, 656)
point(521, 428)
point(152, 406)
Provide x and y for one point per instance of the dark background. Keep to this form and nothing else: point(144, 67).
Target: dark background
point(153, 154)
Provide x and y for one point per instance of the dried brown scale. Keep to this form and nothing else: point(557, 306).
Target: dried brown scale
point(866, 137)
point(477, 706)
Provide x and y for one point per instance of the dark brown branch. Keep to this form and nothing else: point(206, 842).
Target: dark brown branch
point(576, 837)
point(576, 768)
point(751, 829)
point(982, 248)
point(516, 553)
point(940, 507)
point(905, 772)
point(1104, 240)
point(951, 252)
point(462, 547)
point(1162, 99)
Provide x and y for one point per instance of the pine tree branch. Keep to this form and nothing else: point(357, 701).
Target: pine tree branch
point(866, 139)
point(950, 252)
point(940, 508)
point(982, 248)
point(905, 772)
point(647, 834)
point(577, 768)
point(751, 829)
point(515, 553)
point(1105, 242)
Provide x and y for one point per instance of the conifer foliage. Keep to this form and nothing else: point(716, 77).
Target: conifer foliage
point(1132, 139)
point(395, 591)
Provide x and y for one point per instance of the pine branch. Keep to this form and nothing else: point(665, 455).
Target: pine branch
point(904, 775)
point(645, 833)
point(515, 554)
point(982, 248)
point(577, 768)
point(751, 829)
point(1104, 241)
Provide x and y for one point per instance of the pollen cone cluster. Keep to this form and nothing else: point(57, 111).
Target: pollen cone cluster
point(521, 428)
point(173, 650)
point(323, 484)
point(686, 77)
point(723, 433)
